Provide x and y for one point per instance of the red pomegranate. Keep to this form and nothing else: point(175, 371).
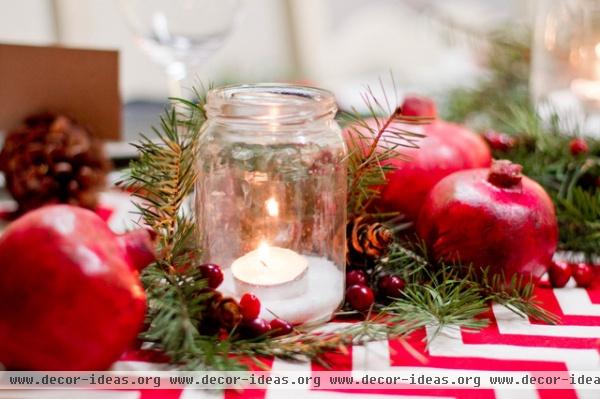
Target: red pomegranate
point(70, 296)
point(445, 149)
point(492, 217)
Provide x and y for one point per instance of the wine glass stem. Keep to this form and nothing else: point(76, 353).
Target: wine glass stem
point(176, 75)
point(175, 90)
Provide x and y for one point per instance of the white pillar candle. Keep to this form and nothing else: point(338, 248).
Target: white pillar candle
point(271, 273)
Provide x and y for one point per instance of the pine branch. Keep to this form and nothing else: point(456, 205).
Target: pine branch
point(299, 346)
point(571, 181)
point(440, 294)
point(501, 102)
point(505, 86)
point(579, 220)
point(373, 139)
point(514, 293)
point(162, 179)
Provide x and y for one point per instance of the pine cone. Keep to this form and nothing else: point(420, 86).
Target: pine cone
point(221, 313)
point(209, 322)
point(367, 242)
point(50, 160)
point(228, 313)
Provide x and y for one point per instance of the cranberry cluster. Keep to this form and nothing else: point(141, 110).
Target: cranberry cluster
point(560, 272)
point(226, 313)
point(359, 294)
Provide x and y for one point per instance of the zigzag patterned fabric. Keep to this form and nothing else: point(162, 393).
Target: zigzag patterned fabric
point(510, 343)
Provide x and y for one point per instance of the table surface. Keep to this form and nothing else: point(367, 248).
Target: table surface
point(510, 343)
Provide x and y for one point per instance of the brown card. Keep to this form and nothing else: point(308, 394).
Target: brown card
point(83, 84)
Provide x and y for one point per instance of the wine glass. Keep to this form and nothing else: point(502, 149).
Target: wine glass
point(180, 34)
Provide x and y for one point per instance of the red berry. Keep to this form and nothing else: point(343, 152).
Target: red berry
point(356, 277)
point(254, 328)
point(559, 273)
point(212, 273)
point(390, 286)
point(249, 306)
point(280, 327)
point(578, 146)
point(499, 141)
point(359, 297)
point(582, 273)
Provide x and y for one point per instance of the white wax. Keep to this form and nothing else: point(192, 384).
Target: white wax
point(323, 295)
point(269, 266)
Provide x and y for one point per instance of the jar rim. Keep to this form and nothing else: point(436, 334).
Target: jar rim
point(270, 103)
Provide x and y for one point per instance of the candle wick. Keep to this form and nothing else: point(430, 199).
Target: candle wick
point(264, 263)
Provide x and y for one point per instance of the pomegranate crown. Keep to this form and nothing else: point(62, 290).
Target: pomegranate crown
point(419, 106)
point(504, 173)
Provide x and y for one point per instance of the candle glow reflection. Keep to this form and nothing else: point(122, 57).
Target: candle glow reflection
point(272, 207)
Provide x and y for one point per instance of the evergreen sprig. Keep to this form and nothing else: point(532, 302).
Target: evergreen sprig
point(439, 294)
point(502, 101)
point(572, 181)
point(162, 179)
point(374, 138)
point(504, 86)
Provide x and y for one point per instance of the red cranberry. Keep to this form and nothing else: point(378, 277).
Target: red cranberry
point(280, 327)
point(499, 141)
point(390, 286)
point(578, 146)
point(356, 277)
point(582, 273)
point(254, 328)
point(212, 273)
point(249, 306)
point(359, 297)
point(559, 273)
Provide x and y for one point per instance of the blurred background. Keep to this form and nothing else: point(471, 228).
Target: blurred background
point(430, 46)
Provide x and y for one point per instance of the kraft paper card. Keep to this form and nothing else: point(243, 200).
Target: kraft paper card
point(82, 84)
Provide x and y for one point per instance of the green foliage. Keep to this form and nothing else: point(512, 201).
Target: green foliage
point(162, 179)
point(570, 180)
point(441, 294)
point(372, 139)
point(506, 85)
point(579, 218)
point(501, 102)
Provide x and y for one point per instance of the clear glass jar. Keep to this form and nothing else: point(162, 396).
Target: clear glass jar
point(271, 197)
point(565, 73)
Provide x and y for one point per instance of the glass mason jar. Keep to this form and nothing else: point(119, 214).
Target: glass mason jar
point(565, 73)
point(271, 197)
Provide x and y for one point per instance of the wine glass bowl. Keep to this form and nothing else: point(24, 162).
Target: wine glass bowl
point(180, 34)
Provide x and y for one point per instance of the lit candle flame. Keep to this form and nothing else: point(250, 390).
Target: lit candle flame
point(272, 207)
point(597, 50)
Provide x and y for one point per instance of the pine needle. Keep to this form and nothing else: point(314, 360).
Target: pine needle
point(375, 138)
